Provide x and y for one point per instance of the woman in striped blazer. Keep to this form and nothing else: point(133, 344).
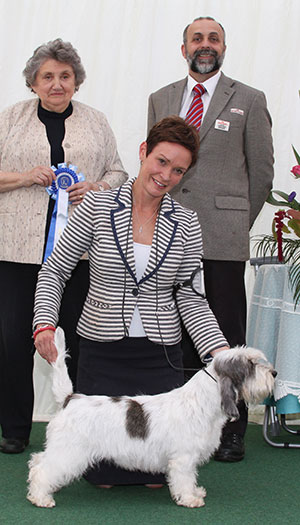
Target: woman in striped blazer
point(141, 244)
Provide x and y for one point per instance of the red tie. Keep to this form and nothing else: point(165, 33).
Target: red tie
point(194, 114)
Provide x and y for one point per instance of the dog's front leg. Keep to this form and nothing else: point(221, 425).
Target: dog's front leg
point(182, 481)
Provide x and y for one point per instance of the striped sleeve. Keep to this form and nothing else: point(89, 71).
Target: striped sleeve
point(197, 317)
point(73, 243)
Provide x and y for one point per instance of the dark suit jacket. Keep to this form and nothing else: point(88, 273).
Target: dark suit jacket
point(233, 175)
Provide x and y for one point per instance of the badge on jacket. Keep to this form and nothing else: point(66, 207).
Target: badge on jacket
point(223, 125)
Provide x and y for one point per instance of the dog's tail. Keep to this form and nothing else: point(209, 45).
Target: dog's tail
point(61, 383)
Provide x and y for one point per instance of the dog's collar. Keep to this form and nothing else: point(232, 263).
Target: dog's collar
point(204, 370)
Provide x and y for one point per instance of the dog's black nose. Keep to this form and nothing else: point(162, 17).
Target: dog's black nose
point(274, 373)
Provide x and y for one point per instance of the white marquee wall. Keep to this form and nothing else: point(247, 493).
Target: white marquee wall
point(130, 48)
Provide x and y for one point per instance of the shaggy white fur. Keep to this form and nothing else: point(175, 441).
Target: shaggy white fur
point(172, 433)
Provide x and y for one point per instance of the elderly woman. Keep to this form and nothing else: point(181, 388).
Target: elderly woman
point(141, 244)
point(35, 135)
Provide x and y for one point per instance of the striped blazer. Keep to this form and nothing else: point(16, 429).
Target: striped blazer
point(102, 225)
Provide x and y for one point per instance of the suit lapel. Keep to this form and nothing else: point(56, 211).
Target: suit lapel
point(175, 97)
point(121, 225)
point(164, 233)
point(220, 99)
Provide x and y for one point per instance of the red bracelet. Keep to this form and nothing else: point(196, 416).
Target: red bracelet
point(42, 329)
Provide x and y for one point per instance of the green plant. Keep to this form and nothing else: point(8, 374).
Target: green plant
point(268, 245)
point(285, 222)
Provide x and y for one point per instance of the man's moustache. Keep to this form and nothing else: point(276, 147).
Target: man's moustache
point(203, 52)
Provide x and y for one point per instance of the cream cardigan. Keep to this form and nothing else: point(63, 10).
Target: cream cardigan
point(89, 144)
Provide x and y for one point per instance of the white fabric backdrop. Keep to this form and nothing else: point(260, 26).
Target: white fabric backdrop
point(131, 48)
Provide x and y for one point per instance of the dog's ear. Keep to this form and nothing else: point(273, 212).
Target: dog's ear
point(229, 398)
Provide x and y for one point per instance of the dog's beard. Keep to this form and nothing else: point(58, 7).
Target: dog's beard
point(203, 66)
point(258, 388)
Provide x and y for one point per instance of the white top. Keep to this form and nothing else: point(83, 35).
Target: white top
point(141, 257)
point(188, 95)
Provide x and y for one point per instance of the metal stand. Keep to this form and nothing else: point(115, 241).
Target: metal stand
point(272, 427)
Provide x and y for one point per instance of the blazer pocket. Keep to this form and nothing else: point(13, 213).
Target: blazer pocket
point(167, 307)
point(168, 324)
point(101, 304)
point(231, 203)
point(168, 319)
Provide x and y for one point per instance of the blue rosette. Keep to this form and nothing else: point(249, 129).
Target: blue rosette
point(66, 176)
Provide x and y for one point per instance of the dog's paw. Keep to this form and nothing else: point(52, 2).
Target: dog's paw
point(45, 501)
point(200, 492)
point(192, 500)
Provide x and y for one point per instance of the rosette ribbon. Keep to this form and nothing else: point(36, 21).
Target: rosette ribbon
point(65, 176)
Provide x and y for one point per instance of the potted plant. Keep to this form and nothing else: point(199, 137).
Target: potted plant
point(285, 239)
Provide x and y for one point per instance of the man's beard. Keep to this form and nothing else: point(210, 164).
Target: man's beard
point(205, 67)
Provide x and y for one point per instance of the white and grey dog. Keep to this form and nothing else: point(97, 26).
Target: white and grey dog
point(174, 432)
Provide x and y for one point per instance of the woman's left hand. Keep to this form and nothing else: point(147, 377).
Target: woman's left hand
point(214, 352)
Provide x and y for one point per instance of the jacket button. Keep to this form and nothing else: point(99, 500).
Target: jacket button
point(135, 292)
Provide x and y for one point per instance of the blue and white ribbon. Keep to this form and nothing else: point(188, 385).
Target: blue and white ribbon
point(65, 176)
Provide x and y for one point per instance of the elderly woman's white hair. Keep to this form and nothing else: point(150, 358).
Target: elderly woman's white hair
point(56, 50)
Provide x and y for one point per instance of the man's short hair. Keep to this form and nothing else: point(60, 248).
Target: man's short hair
point(202, 18)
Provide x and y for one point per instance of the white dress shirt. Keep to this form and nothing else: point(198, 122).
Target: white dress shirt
point(188, 95)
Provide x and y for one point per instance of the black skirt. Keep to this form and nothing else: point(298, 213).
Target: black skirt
point(131, 366)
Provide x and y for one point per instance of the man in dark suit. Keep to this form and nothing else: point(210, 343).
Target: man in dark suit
point(227, 187)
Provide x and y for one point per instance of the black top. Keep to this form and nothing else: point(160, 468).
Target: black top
point(55, 129)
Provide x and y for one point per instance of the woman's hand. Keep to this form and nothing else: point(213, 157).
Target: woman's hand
point(12, 180)
point(214, 352)
point(77, 191)
point(41, 175)
point(44, 343)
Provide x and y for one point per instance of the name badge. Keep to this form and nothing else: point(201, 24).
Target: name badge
point(238, 111)
point(223, 125)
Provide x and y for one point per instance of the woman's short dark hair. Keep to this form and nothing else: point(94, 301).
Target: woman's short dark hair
point(56, 50)
point(174, 129)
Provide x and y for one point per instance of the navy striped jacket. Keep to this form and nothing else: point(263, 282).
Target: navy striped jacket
point(102, 226)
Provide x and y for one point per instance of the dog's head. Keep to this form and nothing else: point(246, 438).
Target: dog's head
point(243, 373)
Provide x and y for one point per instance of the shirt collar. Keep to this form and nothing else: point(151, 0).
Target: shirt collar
point(210, 84)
